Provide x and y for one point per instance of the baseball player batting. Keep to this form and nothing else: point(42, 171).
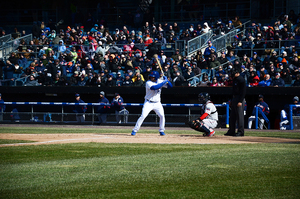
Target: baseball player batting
point(152, 101)
point(209, 116)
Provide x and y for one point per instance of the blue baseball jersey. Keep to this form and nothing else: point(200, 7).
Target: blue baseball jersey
point(79, 108)
point(103, 108)
point(117, 103)
point(2, 106)
point(263, 106)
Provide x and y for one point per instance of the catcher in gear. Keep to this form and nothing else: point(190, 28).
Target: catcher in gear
point(209, 116)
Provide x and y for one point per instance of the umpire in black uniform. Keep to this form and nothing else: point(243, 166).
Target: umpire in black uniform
point(237, 104)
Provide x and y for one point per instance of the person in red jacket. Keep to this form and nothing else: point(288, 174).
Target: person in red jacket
point(148, 40)
point(255, 81)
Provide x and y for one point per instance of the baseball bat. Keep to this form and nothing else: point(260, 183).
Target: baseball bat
point(158, 62)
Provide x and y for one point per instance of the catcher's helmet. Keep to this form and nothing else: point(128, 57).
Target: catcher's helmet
point(203, 97)
point(154, 74)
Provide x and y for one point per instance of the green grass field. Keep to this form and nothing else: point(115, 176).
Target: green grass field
point(98, 170)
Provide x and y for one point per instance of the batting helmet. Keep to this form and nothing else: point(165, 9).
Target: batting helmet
point(154, 74)
point(203, 97)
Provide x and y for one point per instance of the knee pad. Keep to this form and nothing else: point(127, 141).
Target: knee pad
point(198, 126)
point(203, 128)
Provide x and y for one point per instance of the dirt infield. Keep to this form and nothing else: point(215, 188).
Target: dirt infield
point(127, 138)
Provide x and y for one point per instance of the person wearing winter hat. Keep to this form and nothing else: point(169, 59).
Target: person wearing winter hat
point(205, 28)
point(117, 104)
point(102, 109)
point(278, 82)
point(255, 81)
point(95, 28)
point(79, 109)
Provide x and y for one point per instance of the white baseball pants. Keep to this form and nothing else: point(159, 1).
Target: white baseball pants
point(157, 108)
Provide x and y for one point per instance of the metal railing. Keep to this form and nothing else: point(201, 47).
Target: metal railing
point(5, 39)
point(12, 45)
point(14, 81)
point(61, 117)
point(258, 110)
point(210, 72)
point(197, 43)
point(219, 41)
point(291, 114)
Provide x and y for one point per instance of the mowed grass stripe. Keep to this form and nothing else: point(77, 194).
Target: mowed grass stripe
point(7, 141)
point(96, 170)
point(47, 130)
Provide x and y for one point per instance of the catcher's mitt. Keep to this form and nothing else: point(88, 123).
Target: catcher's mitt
point(194, 124)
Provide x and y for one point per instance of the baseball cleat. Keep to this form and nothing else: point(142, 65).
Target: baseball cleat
point(133, 133)
point(210, 134)
point(162, 133)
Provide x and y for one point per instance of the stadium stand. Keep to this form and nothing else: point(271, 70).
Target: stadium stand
point(103, 57)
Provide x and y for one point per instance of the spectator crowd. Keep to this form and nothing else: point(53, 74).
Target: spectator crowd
point(266, 55)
